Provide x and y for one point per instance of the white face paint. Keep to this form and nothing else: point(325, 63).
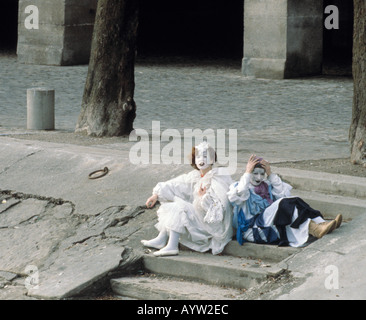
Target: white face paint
point(204, 156)
point(257, 176)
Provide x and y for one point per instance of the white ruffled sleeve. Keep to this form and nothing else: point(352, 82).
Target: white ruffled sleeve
point(280, 189)
point(181, 186)
point(239, 191)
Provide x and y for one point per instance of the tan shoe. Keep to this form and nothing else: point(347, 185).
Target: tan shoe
point(318, 230)
point(333, 227)
point(338, 220)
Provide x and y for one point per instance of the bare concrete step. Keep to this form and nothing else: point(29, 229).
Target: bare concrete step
point(344, 185)
point(331, 205)
point(163, 288)
point(265, 252)
point(235, 272)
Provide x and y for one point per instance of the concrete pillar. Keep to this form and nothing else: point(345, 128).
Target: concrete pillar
point(282, 38)
point(62, 35)
point(40, 109)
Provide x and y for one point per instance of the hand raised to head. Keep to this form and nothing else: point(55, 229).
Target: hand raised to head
point(266, 165)
point(252, 162)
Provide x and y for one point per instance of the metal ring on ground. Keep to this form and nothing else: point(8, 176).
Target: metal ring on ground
point(103, 173)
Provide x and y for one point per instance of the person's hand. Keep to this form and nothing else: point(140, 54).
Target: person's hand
point(201, 191)
point(151, 201)
point(253, 160)
point(266, 166)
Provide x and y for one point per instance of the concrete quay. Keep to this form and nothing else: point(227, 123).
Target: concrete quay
point(83, 235)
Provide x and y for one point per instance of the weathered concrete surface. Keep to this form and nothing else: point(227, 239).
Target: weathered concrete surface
point(73, 254)
point(76, 231)
point(80, 233)
point(158, 288)
point(61, 171)
point(332, 268)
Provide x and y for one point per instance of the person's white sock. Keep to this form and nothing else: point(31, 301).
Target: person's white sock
point(172, 247)
point(173, 241)
point(158, 242)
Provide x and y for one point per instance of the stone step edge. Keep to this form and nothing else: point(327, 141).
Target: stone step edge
point(215, 270)
point(265, 252)
point(170, 288)
point(330, 205)
point(323, 182)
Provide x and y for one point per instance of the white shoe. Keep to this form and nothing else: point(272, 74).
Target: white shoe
point(146, 244)
point(164, 253)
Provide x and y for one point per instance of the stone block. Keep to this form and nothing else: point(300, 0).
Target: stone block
point(282, 39)
point(64, 34)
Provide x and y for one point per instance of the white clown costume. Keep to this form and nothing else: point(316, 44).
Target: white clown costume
point(274, 218)
point(202, 222)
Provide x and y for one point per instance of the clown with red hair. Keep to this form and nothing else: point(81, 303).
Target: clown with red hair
point(194, 210)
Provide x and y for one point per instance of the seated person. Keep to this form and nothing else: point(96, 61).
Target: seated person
point(265, 212)
point(195, 210)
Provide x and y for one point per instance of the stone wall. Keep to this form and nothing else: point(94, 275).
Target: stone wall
point(282, 38)
point(64, 33)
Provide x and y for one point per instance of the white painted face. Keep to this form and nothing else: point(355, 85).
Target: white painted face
point(204, 156)
point(257, 176)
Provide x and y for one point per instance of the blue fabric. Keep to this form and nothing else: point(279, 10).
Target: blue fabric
point(257, 237)
point(256, 205)
point(269, 234)
point(243, 226)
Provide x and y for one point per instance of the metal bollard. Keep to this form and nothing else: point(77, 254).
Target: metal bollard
point(40, 109)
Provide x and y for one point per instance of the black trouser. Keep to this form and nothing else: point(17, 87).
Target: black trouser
point(285, 213)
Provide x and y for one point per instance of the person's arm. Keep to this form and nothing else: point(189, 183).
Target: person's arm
point(180, 186)
point(279, 188)
point(239, 192)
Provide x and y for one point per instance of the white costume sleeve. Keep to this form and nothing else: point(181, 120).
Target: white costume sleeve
point(240, 193)
point(280, 189)
point(181, 186)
